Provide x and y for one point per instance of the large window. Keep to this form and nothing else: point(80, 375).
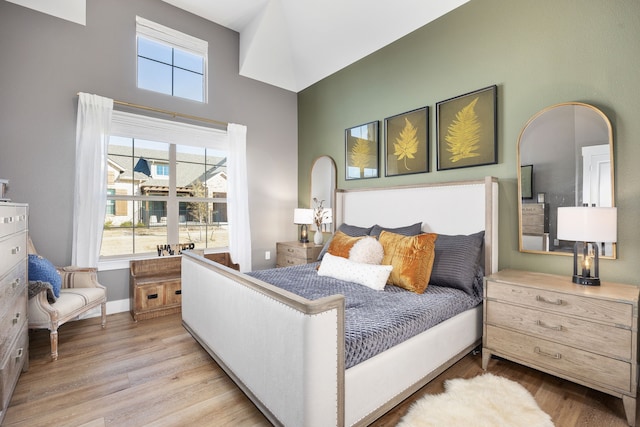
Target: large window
point(170, 62)
point(162, 194)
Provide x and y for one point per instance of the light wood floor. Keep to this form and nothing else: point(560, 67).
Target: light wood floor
point(152, 373)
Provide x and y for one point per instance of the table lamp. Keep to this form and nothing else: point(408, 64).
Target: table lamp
point(588, 227)
point(303, 217)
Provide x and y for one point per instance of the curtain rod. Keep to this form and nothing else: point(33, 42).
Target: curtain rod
point(170, 113)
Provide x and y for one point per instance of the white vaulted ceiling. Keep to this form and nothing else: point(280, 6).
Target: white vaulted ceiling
point(293, 44)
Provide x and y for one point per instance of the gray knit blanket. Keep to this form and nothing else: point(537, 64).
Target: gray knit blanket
point(37, 286)
point(374, 320)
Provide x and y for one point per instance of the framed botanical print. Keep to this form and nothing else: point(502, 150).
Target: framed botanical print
point(466, 130)
point(407, 143)
point(362, 151)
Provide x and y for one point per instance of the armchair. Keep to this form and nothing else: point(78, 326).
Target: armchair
point(79, 293)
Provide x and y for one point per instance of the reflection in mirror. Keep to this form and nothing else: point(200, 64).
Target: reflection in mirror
point(323, 185)
point(565, 153)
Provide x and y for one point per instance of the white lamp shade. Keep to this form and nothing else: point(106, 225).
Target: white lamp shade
point(588, 224)
point(303, 216)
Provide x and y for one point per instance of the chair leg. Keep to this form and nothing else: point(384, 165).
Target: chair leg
point(54, 344)
point(103, 309)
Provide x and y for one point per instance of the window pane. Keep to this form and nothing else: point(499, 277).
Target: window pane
point(204, 224)
point(219, 227)
point(148, 156)
point(111, 204)
point(190, 166)
point(188, 85)
point(154, 76)
point(188, 61)
point(117, 236)
point(151, 229)
point(162, 170)
point(153, 50)
point(216, 174)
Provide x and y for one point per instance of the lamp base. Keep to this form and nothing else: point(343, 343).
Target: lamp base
point(304, 234)
point(586, 281)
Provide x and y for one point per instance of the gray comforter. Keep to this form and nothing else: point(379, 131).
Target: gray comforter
point(375, 320)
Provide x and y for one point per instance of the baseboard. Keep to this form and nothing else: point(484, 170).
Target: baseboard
point(113, 307)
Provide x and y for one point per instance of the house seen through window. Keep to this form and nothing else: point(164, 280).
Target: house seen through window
point(163, 194)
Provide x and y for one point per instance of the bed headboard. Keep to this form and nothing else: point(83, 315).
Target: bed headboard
point(462, 207)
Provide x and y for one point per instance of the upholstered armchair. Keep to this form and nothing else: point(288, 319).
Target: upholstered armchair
point(79, 293)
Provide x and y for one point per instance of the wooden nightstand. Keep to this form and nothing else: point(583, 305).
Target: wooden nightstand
point(586, 334)
point(296, 253)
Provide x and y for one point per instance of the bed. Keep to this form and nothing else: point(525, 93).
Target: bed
point(287, 352)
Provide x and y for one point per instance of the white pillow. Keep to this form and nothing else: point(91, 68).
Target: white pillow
point(372, 276)
point(367, 250)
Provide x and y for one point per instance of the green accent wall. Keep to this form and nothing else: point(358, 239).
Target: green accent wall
point(538, 53)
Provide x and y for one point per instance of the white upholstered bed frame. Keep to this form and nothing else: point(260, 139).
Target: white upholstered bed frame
point(287, 353)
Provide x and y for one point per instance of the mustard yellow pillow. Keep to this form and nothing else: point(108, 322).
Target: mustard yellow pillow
point(341, 244)
point(411, 258)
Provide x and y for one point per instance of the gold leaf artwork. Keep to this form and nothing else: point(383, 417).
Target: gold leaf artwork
point(406, 144)
point(360, 154)
point(463, 134)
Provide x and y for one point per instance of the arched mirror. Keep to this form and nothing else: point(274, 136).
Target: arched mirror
point(565, 153)
point(323, 185)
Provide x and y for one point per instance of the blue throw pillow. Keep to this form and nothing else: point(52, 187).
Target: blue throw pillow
point(41, 269)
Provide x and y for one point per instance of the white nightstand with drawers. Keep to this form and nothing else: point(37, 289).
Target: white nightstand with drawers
point(586, 334)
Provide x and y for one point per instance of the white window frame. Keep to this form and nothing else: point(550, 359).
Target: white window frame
point(178, 40)
point(131, 125)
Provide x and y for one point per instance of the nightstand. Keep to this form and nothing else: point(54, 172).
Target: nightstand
point(585, 334)
point(296, 253)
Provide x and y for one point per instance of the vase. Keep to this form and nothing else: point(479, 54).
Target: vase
point(318, 237)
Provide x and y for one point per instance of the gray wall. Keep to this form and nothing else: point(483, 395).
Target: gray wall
point(539, 53)
point(45, 61)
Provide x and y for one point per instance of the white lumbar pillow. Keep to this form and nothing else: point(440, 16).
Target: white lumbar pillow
point(367, 250)
point(372, 276)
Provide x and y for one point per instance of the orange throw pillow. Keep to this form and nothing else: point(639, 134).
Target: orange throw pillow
point(341, 244)
point(411, 257)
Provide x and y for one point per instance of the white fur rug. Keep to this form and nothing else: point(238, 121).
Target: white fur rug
point(486, 400)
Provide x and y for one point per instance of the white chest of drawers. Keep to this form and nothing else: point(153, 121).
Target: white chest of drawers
point(14, 338)
point(586, 334)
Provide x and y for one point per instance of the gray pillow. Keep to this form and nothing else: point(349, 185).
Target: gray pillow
point(349, 230)
point(457, 263)
point(408, 230)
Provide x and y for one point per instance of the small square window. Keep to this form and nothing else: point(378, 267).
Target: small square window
point(170, 62)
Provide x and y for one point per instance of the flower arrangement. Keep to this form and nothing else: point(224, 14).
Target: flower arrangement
point(319, 213)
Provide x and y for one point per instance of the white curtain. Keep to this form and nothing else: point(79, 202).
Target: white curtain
point(238, 198)
point(92, 140)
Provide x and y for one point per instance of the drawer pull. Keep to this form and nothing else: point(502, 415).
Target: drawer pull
point(543, 325)
point(15, 283)
point(179, 292)
point(152, 296)
point(15, 250)
point(19, 353)
point(7, 220)
point(290, 250)
point(16, 318)
point(543, 299)
point(543, 353)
